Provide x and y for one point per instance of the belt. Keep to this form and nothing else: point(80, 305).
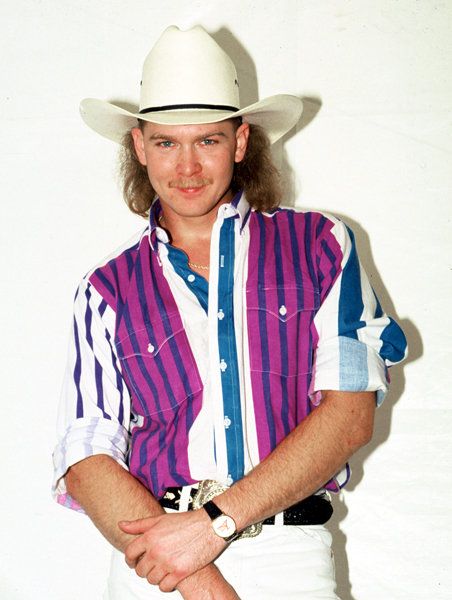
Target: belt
point(314, 510)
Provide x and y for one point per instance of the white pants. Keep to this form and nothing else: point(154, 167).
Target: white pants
point(282, 563)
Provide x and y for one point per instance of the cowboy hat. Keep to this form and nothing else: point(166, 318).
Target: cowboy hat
point(188, 79)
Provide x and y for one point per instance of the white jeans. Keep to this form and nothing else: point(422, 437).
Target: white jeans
point(282, 563)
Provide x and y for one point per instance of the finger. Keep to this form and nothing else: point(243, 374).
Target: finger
point(144, 566)
point(156, 575)
point(134, 551)
point(169, 582)
point(136, 527)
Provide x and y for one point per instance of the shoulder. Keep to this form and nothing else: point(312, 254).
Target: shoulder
point(299, 215)
point(317, 225)
point(113, 272)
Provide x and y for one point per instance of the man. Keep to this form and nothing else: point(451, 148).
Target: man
point(227, 362)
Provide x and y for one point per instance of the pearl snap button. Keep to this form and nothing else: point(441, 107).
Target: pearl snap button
point(150, 348)
point(282, 310)
point(191, 278)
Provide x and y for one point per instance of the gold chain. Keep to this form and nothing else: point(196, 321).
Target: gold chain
point(202, 267)
point(190, 264)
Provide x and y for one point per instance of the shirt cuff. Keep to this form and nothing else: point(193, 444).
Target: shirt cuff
point(86, 437)
point(339, 481)
point(348, 365)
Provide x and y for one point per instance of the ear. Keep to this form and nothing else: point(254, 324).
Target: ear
point(138, 142)
point(241, 136)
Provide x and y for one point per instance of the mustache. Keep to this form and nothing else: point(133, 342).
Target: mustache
point(189, 183)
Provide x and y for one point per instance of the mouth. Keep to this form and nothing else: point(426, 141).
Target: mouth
point(190, 187)
point(190, 190)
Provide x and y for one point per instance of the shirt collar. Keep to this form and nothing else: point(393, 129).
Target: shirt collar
point(155, 231)
point(237, 208)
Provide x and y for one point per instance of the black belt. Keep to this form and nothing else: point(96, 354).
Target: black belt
point(314, 510)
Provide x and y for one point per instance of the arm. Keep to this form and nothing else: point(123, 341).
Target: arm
point(93, 432)
point(327, 438)
point(108, 493)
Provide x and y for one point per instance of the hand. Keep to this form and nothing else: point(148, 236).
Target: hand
point(207, 584)
point(168, 548)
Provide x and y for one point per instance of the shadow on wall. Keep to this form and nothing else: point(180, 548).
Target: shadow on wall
point(311, 107)
point(383, 419)
point(247, 76)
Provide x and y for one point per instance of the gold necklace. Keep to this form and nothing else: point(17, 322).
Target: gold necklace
point(202, 267)
point(190, 264)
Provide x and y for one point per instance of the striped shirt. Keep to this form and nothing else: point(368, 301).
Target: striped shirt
point(181, 380)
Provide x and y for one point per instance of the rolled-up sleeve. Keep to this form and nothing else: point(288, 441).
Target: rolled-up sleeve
point(357, 341)
point(94, 410)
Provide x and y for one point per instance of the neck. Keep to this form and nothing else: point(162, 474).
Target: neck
point(191, 229)
point(187, 230)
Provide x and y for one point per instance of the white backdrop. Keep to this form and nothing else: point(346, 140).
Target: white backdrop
point(374, 147)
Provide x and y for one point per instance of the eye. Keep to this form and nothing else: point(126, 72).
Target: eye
point(165, 144)
point(208, 142)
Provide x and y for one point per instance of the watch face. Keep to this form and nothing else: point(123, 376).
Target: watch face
point(224, 526)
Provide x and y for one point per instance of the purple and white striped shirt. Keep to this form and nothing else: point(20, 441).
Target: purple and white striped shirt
point(180, 381)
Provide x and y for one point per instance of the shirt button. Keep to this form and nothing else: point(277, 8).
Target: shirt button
point(282, 310)
point(228, 211)
point(227, 422)
point(191, 278)
point(223, 365)
point(229, 480)
point(220, 314)
point(150, 348)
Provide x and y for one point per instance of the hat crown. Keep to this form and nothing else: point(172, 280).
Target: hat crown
point(188, 68)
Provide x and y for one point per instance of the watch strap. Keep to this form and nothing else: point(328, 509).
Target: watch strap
point(212, 509)
point(214, 512)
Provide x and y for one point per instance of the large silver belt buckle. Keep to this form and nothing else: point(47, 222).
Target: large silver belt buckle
point(207, 490)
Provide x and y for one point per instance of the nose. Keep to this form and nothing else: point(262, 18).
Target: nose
point(188, 163)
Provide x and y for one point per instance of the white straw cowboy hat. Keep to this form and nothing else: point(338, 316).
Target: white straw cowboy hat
point(188, 79)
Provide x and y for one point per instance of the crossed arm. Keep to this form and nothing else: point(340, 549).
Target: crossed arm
point(155, 543)
point(109, 493)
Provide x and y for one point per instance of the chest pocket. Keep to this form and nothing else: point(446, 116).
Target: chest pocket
point(160, 369)
point(279, 329)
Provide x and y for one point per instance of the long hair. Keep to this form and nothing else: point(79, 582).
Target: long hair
point(256, 175)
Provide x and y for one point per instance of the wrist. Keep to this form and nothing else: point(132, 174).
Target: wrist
point(236, 510)
point(223, 525)
point(204, 578)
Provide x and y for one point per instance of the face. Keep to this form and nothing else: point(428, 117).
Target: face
point(190, 166)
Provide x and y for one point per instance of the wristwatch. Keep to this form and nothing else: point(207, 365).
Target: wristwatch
point(223, 525)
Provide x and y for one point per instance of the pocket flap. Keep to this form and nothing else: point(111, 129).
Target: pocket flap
point(283, 302)
point(143, 342)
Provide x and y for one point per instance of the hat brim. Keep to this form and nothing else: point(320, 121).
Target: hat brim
point(276, 115)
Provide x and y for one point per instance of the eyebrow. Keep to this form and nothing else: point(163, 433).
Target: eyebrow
point(170, 138)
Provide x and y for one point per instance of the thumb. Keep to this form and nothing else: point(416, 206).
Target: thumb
point(137, 526)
